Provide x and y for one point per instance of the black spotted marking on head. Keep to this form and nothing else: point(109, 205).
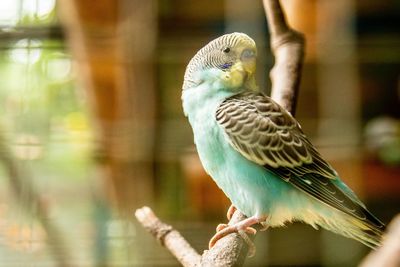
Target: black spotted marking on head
point(214, 55)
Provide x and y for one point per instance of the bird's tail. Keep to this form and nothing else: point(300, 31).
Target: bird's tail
point(366, 232)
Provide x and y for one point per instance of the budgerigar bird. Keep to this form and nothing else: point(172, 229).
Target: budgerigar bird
point(257, 153)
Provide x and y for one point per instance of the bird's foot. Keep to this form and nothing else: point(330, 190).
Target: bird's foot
point(241, 227)
point(222, 226)
point(264, 226)
point(251, 248)
point(225, 229)
point(230, 212)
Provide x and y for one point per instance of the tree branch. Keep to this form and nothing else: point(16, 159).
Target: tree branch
point(168, 237)
point(229, 251)
point(288, 49)
point(389, 254)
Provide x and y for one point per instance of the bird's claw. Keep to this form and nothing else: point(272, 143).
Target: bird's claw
point(264, 226)
point(230, 212)
point(225, 229)
point(250, 231)
point(251, 248)
point(221, 226)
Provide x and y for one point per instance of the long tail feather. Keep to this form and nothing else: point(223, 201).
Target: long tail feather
point(362, 231)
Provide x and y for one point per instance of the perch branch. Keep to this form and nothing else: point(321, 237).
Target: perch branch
point(229, 251)
point(288, 49)
point(168, 237)
point(389, 254)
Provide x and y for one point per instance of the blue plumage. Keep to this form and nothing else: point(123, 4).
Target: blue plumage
point(257, 153)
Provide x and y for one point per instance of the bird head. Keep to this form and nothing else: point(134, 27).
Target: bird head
point(229, 61)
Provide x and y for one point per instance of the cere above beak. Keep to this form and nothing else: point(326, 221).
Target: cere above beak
point(248, 54)
point(248, 60)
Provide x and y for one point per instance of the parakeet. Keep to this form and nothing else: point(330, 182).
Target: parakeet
point(257, 153)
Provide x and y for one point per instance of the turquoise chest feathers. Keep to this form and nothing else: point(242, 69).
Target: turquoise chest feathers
point(250, 188)
point(256, 151)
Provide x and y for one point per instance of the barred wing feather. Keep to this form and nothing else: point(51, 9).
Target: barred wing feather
point(264, 133)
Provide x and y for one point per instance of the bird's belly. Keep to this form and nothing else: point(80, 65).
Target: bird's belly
point(249, 186)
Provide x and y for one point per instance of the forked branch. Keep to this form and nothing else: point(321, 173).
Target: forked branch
point(288, 49)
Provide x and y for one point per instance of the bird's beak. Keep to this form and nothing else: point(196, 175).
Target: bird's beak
point(242, 72)
point(248, 59)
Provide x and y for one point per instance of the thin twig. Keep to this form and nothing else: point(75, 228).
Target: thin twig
point(168, 237)
point(228, 251)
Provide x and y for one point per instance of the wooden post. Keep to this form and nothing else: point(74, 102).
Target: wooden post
point(116, 72)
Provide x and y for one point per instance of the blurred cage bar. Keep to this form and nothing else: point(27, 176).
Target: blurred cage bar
point(91, 111)
point(34, 73)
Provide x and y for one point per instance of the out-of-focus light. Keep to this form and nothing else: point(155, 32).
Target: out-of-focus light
point(76, 121)
point(26, 51)
point(28, 147)
point(12, 11)
point(8, 12)
point(58, 67)
point(382, 138)
point(39, 8)
point(120, 232)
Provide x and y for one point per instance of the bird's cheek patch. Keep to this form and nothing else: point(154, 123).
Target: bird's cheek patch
point(226, 66)
point(234, 79)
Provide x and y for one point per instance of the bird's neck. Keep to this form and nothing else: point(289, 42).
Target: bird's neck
point(250, 84)
point(203, 97)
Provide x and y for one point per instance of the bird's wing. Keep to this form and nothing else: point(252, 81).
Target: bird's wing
point(265, 133)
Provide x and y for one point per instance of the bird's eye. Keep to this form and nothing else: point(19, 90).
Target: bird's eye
point(226, 50)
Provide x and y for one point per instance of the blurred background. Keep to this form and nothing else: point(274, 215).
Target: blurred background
point(91, 124)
